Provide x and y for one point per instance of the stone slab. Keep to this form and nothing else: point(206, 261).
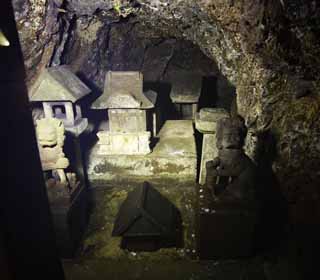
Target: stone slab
point(176, 129)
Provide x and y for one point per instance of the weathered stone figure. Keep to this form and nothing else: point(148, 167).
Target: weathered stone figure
point(232, 175)
point(50, 136)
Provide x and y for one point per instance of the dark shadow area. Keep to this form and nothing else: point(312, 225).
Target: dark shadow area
point(165, 105)
point(153, 142)
point(26, 221)
point(273, 223)
point(87, 142)
point(95, 117)
point(97, 120)
point(198, 139)
point(208, 96)
point(226, 93)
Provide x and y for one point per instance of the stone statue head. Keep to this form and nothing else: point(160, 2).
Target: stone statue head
point(230, 133)
point(50, 132)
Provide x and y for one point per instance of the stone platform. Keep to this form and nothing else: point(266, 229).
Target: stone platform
point(174, 156)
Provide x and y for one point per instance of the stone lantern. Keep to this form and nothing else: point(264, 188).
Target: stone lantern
point(127, 107)
point(185, 93)
point(205, 122)
point(60, 90)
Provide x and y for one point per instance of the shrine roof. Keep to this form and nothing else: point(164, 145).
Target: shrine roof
point(58, 83)
point(123, 90)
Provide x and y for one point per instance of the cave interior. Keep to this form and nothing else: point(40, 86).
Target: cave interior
point(111, 94)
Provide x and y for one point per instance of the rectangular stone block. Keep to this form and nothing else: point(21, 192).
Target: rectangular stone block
point(113, 143)
point(127, 120)
point(70, 219)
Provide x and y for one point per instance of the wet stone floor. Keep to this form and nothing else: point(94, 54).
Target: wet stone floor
point(102, 258)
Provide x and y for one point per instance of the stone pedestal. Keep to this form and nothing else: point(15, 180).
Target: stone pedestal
point(173, 157)
point(123, 143)
point(70, 217)
point(205, 122)
point(226, 230)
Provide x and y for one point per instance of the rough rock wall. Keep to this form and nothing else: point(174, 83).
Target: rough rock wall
point(39, 24)
point(95, 48)
point(269, 49)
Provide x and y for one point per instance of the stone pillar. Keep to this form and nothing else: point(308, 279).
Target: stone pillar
point(154, 124)
point(194, 110)
point(69, 113)
point(78, 112)
point(48, 113)
point(206, 121)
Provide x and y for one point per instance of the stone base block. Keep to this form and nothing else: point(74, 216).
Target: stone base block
point(124, 167)
point(174, 156)
point(117, 143)
point(70, 218)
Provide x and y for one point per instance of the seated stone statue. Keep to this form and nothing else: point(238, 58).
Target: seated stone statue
point(50, 136)
point(232, 175)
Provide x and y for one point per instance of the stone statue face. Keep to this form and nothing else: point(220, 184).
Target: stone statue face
point(228, 135)
point(230, 139)
point(50, 132)
point(47, 135)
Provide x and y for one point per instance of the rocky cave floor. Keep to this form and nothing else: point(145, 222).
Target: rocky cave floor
point(101, 257)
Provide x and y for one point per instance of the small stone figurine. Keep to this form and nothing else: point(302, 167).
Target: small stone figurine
point(232, 175)
point(50, 135)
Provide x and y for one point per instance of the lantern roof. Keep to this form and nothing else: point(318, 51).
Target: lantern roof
point(58, 83)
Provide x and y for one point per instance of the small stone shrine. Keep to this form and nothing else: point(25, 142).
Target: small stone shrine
point(185, 93)
point(127, 107)
point(206, 122)
point(66, 192)
point(148, 221)
point(228, 206)
point(60, 90)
